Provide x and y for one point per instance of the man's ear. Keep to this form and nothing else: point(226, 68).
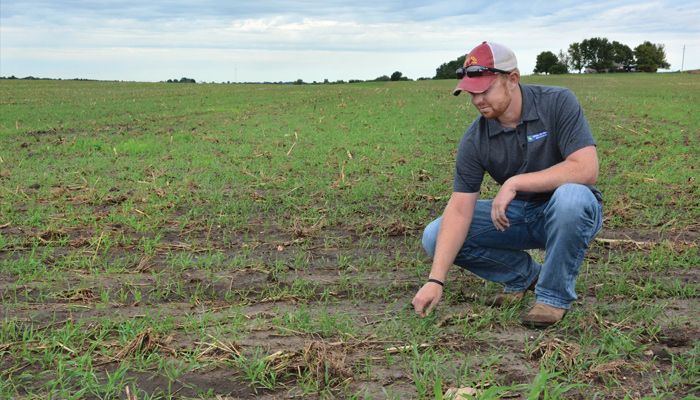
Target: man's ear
point(514, 78)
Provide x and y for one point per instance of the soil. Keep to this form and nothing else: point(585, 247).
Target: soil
point(75, 298)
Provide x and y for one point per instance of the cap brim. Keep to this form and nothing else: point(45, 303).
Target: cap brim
point(477, 84)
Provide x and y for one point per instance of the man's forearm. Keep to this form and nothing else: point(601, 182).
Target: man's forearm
point(450, 240)
point(453, 231)
point(581, 167)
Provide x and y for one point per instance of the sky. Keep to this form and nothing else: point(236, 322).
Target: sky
point(286, 40)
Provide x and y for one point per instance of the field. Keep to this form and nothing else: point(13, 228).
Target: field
point(263, 241)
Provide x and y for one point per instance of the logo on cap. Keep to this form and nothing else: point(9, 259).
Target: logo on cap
point(472, 60)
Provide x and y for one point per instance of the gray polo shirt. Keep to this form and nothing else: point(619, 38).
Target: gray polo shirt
point(552, 127)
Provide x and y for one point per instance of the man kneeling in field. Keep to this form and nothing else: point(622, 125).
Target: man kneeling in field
point(536, 143)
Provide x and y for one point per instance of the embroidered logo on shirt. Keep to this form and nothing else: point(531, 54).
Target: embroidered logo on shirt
point(536, 136)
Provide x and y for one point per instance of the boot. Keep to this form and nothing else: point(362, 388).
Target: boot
point(506, 299)
point(543, 316)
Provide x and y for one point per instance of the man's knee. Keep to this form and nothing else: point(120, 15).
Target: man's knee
point(573, 196)
point(572, 201)
point(430, 237)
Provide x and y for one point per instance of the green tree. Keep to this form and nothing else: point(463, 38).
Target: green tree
point(622, 54)
point(564, 58)
point(448, 70)
point(597, 54)
point(575, 57)
point(562, 65)
point(545, 61)
point(558, 69)
point(181, 80)
point(396, 76)
point(651, 57)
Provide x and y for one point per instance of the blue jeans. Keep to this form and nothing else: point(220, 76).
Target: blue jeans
point(563, 226)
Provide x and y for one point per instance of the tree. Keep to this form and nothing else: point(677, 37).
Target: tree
point(396, 76)
point(622, 54)
point(597, 54)
point(545, 61)
point(558, 69)
point(563, 60)
point(448, 70)
point(182, 80)
point(575, 57)
point(651, 57)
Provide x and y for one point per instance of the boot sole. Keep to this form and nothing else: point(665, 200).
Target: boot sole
point(541, 324)
point(538, 324)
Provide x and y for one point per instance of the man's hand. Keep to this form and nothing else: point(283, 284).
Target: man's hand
point(500, 205)
point(427, 298)
point(580, 167)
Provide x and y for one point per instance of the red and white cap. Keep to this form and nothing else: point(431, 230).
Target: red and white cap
point(487, 54)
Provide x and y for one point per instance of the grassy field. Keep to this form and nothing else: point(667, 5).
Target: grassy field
point(263, 241)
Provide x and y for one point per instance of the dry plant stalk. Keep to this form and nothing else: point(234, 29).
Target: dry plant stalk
point(129, 395)
point(219, 350)
point(144, 342)
point(612, 368)
point(282, 360)
point(625, 243)
point(452, 319)
point(461, 393)
point(551, 347)
point(325, 362)
point(51, 235)
point(144, 265)
point(400, 349)
point(85, 295)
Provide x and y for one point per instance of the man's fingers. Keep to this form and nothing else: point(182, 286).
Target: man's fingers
point(503, 220)
point(426, 299)
point(423, 306)
point(422, 312)
point(431, 305)
point(419, 307)
point(497, 222)
point(498, 216)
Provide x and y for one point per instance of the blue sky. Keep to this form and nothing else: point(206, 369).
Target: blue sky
point(286, 40)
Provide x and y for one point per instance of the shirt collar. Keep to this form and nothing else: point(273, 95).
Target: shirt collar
point(529, 106)
point(529, 112)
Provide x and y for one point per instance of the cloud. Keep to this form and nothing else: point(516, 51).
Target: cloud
point(422, 35)
point(370, 11)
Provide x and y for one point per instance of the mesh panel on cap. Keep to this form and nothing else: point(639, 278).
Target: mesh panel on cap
point(503, 57)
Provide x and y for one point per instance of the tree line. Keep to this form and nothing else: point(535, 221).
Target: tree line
point(590, 55)
point(34, 78)
point(600, 55)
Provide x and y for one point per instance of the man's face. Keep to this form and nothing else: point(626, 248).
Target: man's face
point(495, 100)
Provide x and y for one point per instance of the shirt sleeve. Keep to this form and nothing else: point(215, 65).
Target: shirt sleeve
point(469, 171)
point(574, 133)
